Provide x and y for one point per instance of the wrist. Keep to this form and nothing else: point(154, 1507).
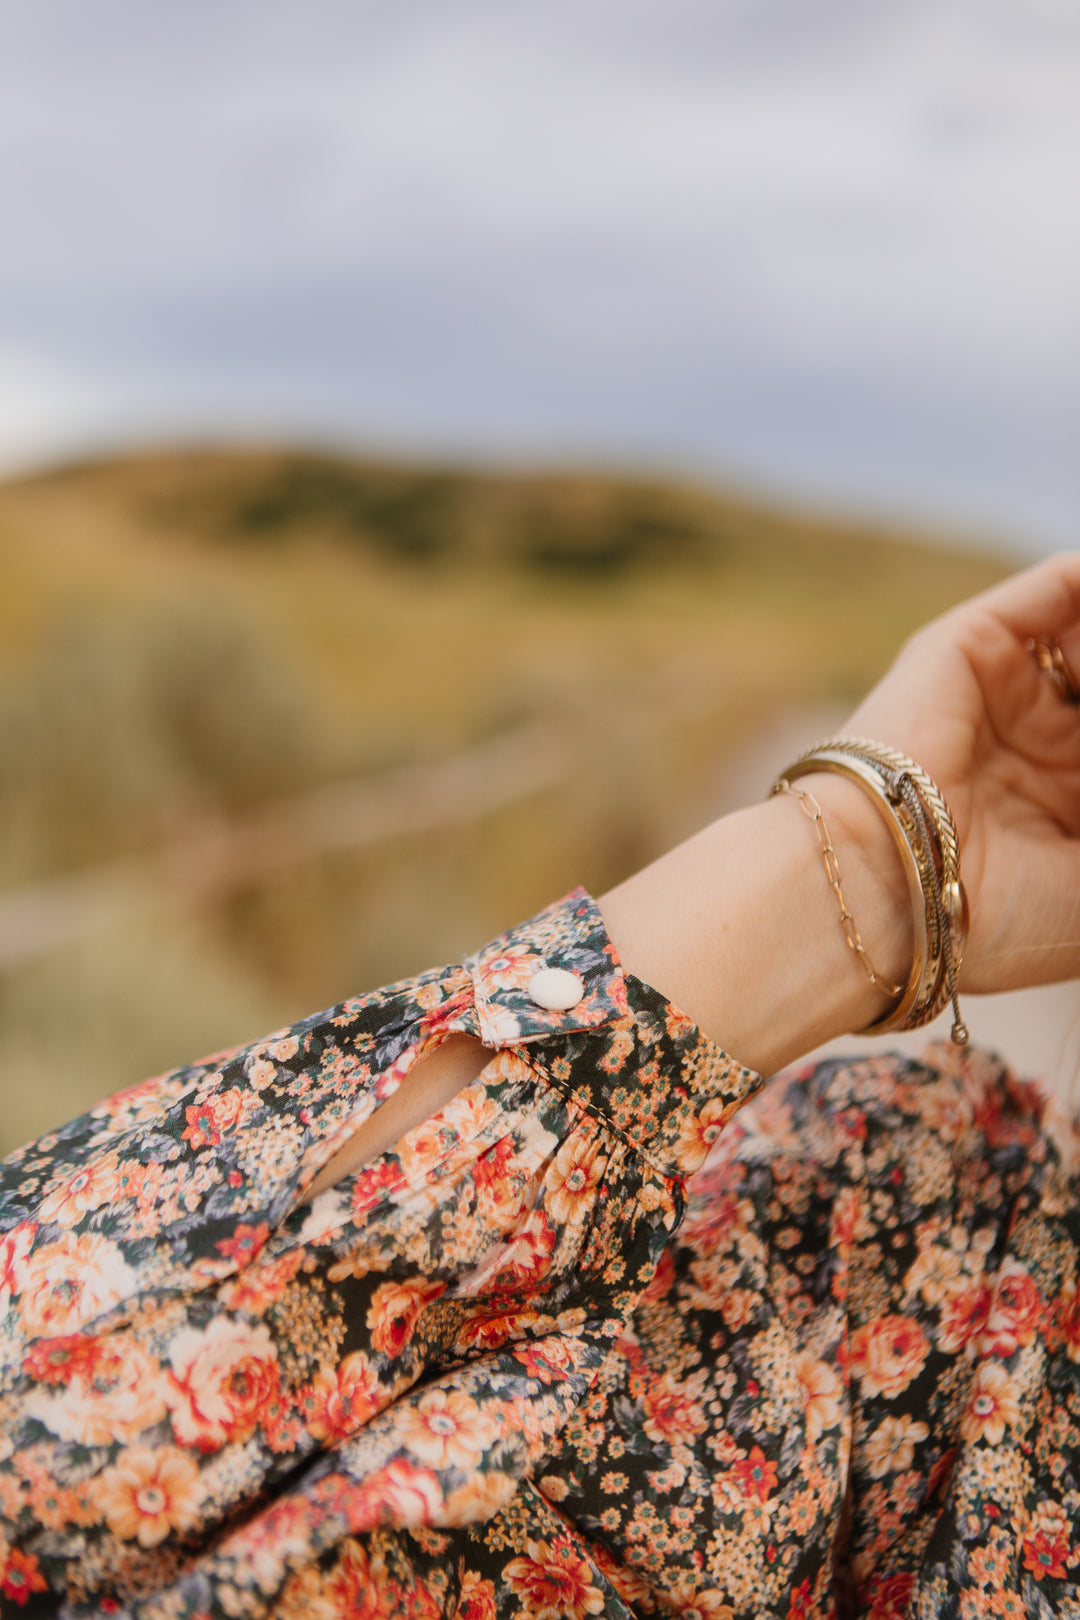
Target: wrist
point(741, 928)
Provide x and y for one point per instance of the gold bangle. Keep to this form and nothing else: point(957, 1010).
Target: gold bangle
point(925, 836)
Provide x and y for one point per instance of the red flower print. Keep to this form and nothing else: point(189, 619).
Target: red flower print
point(890, 1597)
point(370, 1184)
point(1045, 1555)
point(245, 1242)
point(799, 1606)
point(756, 1475)
point(887, 1354)
point(208, 1121)
point(21, 1577)
point(555, 1582)
point(551, 1359)
point(58, 1361)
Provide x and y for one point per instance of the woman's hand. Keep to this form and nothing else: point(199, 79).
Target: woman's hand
point(967, 701)
point(739, 925)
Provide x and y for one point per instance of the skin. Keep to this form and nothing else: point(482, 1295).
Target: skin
point(738, 926)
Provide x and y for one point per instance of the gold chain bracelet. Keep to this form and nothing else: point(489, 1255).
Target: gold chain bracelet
point(812, 811)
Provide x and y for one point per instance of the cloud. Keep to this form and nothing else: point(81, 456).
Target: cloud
point(832, 245)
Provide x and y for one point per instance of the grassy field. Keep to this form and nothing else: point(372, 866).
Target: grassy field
point(275, 726)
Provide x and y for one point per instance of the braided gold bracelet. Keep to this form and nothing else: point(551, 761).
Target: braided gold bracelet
point(925, 837)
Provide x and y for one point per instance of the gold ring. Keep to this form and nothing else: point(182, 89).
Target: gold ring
point(1047, 653)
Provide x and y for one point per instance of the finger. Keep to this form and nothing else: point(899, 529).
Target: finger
point(1044, 600)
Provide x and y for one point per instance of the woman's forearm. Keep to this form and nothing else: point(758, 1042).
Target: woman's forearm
point(740, 928)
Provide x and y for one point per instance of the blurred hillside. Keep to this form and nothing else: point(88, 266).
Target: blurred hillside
point(277, 726)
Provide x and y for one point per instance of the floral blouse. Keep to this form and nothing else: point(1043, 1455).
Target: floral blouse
point(572, 1349)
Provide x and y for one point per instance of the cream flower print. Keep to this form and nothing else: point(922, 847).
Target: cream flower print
point(221, 1382)
point(68, 1283)
point(81, 1193)
point(992, 1406)
point(936, 1272)
point(508, 969)
point(891, 1447)
point(105, 1389)
point(447, 1429)
point(148, 1494)
point(822, 1392)
point(14, 1249)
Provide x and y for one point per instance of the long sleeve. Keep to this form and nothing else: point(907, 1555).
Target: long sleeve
point(213, 1389)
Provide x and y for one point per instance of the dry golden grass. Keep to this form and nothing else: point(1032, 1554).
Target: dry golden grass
point(187, 638)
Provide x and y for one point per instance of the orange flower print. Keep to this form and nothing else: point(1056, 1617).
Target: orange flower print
point(476, 1600)
point(109, 1389)
point(497, 1180)
point(887, 1354)
point(67, 1283)
point(208, 1121)
point(573, 1180)
point(756, 1475)
point(20, 1577)
point(361, 1588)
point(991, 1407)
point(343, 1399)
point(554, 1582)
point(148, 1494)
point(395, 1309)
point(698, 1131)
point(673, 1412)
point(446, 1429)
point(1068, 1312)
point(479, 1498)
point(223, 1377)
point(822, 1391)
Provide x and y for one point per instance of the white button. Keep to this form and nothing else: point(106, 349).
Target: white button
point(557, 989)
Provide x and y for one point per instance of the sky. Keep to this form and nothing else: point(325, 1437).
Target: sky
point(827, 248)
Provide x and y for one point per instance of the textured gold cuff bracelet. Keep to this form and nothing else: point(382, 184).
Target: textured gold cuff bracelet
point(924, 833)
